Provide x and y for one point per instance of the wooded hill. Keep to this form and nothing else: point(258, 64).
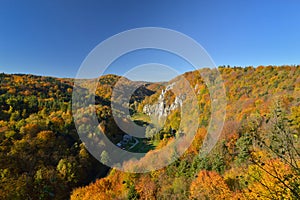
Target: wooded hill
point(256, 157)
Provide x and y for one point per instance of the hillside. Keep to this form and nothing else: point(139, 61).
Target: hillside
point(41, 154)
point(256, 157)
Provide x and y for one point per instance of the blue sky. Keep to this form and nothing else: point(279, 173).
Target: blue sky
point(53, 37)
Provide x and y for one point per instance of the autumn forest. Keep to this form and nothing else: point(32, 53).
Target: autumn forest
point(257, 155)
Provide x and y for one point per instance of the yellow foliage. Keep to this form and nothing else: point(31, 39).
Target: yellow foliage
point(268, 180)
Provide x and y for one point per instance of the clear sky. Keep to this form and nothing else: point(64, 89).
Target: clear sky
point(52, 37)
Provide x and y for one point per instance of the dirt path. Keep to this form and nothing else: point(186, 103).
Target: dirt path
point(136, 142)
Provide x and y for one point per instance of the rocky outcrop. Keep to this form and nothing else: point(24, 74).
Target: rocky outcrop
point(160, 108)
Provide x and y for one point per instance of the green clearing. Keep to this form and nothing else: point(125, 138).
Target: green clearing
point(143, 146)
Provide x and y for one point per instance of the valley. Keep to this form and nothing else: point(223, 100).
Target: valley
point(256, 156)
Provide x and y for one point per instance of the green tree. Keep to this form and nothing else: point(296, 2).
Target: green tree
point(67, 169)
point(132, 193)
point(104, 158)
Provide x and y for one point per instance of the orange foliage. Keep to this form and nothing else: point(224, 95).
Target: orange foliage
point(110, 187)
point(45, 135)
point(209, 185)
point(197, 142)
point(146, 187)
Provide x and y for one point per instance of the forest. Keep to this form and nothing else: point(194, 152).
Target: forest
point(256, 157)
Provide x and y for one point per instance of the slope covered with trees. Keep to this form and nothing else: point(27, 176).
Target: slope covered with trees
point(256, 157)
point(41, 154)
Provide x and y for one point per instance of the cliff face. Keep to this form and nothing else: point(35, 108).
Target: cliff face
point(161, 109)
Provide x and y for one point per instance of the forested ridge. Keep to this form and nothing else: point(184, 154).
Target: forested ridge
point(256, 157)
